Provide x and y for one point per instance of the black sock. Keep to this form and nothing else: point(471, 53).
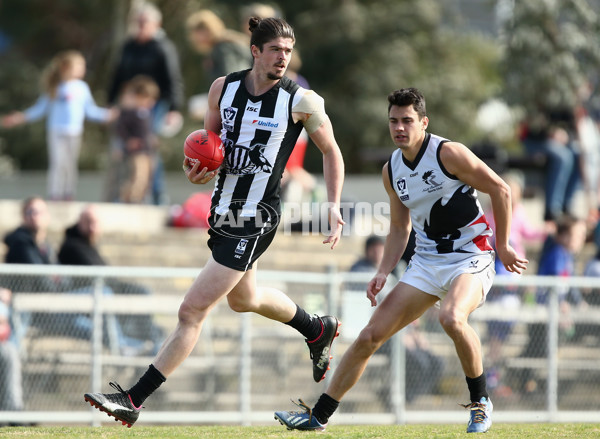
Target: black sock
point(309, 326)
point(324, 408)
point(477, 388)
point(147, 384)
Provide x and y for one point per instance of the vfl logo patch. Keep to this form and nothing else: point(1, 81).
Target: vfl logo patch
point(241, 247)
point(402, 189)
point(228, 118)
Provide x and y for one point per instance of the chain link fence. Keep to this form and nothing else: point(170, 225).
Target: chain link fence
point(77, 328)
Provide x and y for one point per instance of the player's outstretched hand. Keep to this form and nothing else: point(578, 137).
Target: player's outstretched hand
point(511, 260)
point(195, 175)
point(335, 223)
point(375, 286)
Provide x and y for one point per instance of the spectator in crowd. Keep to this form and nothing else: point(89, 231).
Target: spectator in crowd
point(374, 247)
point(80, 247)
point(552, 134)
point(209, 37)
point(260, 10)
point(588, 135)
point(133, 130)
point(592, 269)
point(66, 102)
point(522, 231)
point(11, 386)
point(226, 50)
point(368, 263)
point(149, 52)
point(28, 244)
point(590, 296)
point(557, 259)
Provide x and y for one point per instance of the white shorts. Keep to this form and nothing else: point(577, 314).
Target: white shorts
point(435, 277)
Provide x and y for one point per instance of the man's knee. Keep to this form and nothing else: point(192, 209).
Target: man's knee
point(192, 313)
point(451, 321)
point(239, 303)
point(368, 341)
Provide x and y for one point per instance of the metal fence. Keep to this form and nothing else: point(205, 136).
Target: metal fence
point(76, 328)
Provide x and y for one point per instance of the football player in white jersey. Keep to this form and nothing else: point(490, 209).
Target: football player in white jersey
point(432, 184)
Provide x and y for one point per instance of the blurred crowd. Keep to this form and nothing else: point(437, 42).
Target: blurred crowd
point(145, 103)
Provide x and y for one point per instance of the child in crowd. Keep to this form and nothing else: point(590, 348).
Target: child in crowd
point(66, 102)
point(134, 132)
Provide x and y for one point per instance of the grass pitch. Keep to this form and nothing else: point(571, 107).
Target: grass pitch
point(521, 431)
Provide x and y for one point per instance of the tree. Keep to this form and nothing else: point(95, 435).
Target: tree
point(367, 48)
point(551, 51)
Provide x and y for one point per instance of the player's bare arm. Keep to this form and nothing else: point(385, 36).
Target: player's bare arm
point(395, 243)
point(212, 122)
point(461, 162)
point(333, 172)
point(310, 110)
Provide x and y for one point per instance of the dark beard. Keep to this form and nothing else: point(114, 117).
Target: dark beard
point(273, 76)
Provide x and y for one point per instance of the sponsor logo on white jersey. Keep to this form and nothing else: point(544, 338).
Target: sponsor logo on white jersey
point(265, 123)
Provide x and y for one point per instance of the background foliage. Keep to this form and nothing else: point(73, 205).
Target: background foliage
point(551, 53)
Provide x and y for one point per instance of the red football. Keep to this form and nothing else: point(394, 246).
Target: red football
point(206, 147)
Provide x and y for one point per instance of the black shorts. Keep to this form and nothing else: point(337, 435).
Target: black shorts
point(238, 249)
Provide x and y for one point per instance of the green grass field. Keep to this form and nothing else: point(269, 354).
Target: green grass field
point(520, 431)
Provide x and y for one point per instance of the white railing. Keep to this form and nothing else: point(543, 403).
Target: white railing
point(98, 304)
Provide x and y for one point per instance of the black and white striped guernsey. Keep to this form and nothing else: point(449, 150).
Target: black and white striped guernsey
point(259, 134)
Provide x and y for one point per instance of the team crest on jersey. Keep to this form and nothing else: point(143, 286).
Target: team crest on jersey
point(402, 189)
point(229, 114)
point(429, 178)
point(242, 160)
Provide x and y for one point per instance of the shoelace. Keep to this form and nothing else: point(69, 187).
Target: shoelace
point(478, 411)
point(304, 406)
point(117, 387)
